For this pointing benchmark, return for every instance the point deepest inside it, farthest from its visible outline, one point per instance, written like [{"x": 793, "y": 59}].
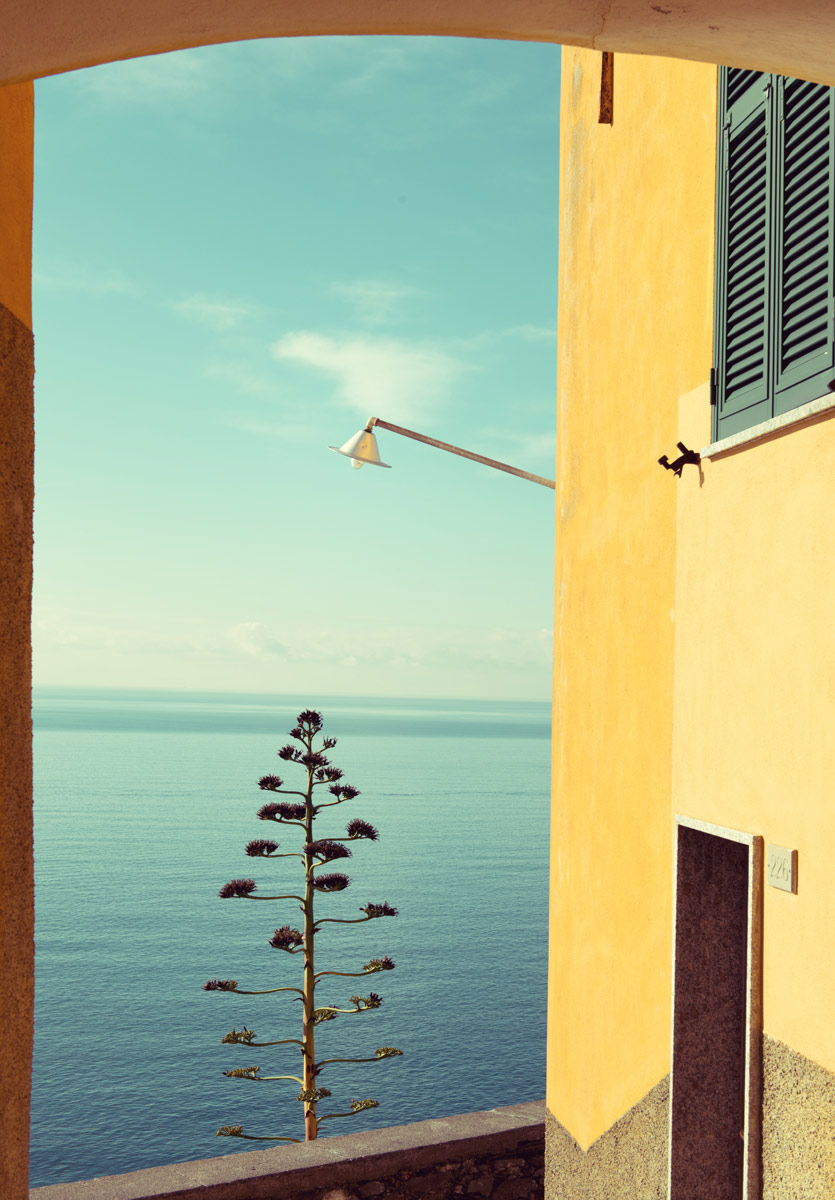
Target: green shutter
[
  {"x": 744, "y": 284},
  {"x": 803, "y": 320}
]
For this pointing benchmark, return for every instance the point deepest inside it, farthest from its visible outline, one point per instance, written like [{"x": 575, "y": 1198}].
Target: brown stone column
[{"x": 16, "y": 498}]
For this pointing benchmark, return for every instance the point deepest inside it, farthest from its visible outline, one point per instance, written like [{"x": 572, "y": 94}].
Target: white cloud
[
  {"x": 410, "y": 649},
  {"x": 253, "y": 639},
  {"x": 384, "y": 377},
  {"x": 218, "y": 315},
  {"x": 374, "y": 300}
]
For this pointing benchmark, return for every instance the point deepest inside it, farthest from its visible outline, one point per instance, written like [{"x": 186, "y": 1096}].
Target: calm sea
[{"x": 143, "y": 804}]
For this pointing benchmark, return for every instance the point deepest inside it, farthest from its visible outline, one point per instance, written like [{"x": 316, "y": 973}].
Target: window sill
[{"x": 806, "y": 414}]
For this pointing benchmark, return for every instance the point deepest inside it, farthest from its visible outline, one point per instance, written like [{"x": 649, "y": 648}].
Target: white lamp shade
[{"x": 362, "y": 448}]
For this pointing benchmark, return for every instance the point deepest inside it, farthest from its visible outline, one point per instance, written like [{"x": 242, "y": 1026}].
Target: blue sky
[{"x": 240, "y": 253}]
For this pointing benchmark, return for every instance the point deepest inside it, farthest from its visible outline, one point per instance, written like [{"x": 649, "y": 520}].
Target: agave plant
[{"x": 315, "y": 854}]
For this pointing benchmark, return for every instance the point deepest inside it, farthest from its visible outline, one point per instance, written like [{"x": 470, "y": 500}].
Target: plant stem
[
  {"x": 324, "y": 1062},
  {"x": 267, "y": 991},
  {"x": 310, "y": 1122},
  {"x": 347, "y": 974}
]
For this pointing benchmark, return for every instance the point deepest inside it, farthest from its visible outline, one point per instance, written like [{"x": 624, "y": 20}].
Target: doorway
[{"x": 716, "y": 1072}]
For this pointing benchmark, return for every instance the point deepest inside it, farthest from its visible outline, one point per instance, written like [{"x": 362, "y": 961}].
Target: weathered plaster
[
  {"x": 628, "y": 1162},
  {"x": 798, "y": 1126},
  {"x": 16, "y": 893},
  {"x": 16, "y": 146}
]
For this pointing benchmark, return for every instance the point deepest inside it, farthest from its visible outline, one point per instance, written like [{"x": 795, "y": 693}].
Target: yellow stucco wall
[
  {"x": 16, "y": 140},
  {"x": 754, "y": 694},
  {"x": 635, "y": 313}
]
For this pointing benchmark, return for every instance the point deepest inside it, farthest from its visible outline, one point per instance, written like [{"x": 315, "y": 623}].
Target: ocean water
[{"x": 144, "y": 802}]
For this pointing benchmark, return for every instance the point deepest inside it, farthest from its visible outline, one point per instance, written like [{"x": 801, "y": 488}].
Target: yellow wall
[
  {"x": 635, "y": 313},
  {"x": 754, "y": 693},
  {"x": 16, "y": 136}
]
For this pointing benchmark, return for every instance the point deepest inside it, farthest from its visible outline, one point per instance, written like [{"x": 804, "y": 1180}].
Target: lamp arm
[{"x": 488, "y": 462}]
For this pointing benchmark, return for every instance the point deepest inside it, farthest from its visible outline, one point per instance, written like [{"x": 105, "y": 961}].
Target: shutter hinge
[
  {"x": 713, "y": 387},
  {"x": 686, "y": 456}
]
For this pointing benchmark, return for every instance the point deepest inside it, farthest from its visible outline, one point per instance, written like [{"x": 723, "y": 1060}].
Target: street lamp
[{"x": 362, "y": 450}]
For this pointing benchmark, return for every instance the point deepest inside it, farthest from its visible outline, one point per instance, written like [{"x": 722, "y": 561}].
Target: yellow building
[
  {"x": 695, "y": 662},
  {"x": 695, "y": 647}
]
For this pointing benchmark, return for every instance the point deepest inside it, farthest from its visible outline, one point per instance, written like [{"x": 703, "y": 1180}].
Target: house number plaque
[{"x": 782, "y": 868}]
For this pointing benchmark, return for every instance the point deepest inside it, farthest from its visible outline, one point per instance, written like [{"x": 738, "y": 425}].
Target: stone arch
[{"x": 62, "y": 35}]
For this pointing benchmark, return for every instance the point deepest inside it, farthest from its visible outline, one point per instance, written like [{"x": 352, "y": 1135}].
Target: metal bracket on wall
[
  {"x": 607, "y": 89},
  {"x": 686, "y": 456}
]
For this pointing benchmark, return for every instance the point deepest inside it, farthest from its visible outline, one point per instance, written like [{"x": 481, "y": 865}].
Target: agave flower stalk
[{"x": 314, "y": 855}]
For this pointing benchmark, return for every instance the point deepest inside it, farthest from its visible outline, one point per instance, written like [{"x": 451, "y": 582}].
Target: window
[{"x": 775, "y": 301}]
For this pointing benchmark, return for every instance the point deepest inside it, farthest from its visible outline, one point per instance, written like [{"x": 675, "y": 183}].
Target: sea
[{"x": 144, "y": 801}]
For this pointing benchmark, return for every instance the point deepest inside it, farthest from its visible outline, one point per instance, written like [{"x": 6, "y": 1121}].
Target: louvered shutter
[
  {"x": 744, "y": 228},
  {"x": 803, "y": 320}
]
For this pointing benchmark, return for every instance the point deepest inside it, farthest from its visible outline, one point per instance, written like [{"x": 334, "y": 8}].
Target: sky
[{"x": 242, "y": 252}]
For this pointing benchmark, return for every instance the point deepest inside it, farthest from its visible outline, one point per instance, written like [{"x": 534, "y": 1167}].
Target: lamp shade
[{"x": 362, "y": 448}]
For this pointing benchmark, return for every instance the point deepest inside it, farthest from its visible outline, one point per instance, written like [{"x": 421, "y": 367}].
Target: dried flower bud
[
  {"x": 230, "y": 1131},
  {"x": 364, "y": 1002},
  {"x": 344, "y": 791},
  {"x": 323, "y": 1014},
  {"x": 236, "y": 1038},
  {"x": 359, "y": 1105},
  {"x": 311, "y": 718},
  {"x": 379, "y": 964},
  {"x": 270, "y": 783},
  {"x": 289, "y": 754},
  {"x": 286, "y": 938},
  {"x": 237, "y": 887},
  {"x": 242, "y": 1072},
  {"x": 327, "y": 851},
  {"x": 311, "y": 1095},
  {"x": 328, "y": 743},
  {"x": 297, "y": 733},
  {"x": 313, "y": 759},
  {"x": 379, "y": 910},
  {"x": 337, "y": 882},
  {"x": 361, "y": 829},
  {"x": 388, "y": 1052},
  {"x": 260, "y": 848},
  {"x": 284, "y": 812},
  {"x": 328, "y": 774},
  {"x": 220, "y": 985}
]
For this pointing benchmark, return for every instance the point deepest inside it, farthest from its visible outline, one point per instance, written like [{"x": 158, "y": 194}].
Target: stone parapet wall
[{"x": 497, "y": 1155}]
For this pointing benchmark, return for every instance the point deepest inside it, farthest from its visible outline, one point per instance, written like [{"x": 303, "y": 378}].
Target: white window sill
[{"x": 815, "y": 410}]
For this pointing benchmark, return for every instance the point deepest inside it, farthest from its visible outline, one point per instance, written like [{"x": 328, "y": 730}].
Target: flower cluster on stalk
[
  {"x": 327, "y": 851},
  {"x": 260, "y": 847},
  {"x": 238, "y": 887},
  {"x": 286, "y": 938},
  {"x": 315, "y": 854}
]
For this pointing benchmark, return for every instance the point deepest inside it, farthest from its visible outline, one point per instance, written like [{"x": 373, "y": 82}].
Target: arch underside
[{"x": 771, "y": 35}]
